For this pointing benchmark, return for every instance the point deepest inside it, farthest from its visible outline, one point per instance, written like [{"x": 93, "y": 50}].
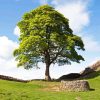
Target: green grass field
[{"x": 41, "y": 90}]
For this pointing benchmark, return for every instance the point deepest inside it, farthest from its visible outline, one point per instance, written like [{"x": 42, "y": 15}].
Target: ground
[{"x": 41, "y": 90}]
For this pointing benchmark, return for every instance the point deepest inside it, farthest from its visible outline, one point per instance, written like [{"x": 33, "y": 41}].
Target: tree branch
[{"x": 53, "y": 59}]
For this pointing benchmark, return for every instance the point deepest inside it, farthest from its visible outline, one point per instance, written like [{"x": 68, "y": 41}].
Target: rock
[
  {"x": 70, "y": 76},
  {"x": 78, "y": 85},
  {"x": 96, "y": 66},
  {"x": 87, "y": 71}
]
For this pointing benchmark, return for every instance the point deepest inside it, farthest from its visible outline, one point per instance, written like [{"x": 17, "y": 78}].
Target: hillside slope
[
  {"x": 91, "y": 71},
  {"x": 36, "y": 90}
]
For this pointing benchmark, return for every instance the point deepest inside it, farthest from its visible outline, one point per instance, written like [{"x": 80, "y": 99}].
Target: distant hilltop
[
  {"x": 96, "y": 66},
  {"x": 92, "y": 68},
  {"x": 89, "y": 72}
]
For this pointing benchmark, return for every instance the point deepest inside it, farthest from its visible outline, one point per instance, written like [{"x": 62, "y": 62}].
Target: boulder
[
  {"x": 87, "y": 71},
  {"x": 70, "y": 76},
  {"x": 96, "y": 66}
]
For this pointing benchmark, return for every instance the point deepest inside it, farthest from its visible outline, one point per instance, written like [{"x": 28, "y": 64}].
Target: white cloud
[
  {"x": 91, "y": 44},
  {"x": 76, "y": 11},
  {"x": 7, "y": 46},
  {"x": 42, "y": 2},
  {"x": 17, "y": 31},
  {"x": 6, "y": 52}
]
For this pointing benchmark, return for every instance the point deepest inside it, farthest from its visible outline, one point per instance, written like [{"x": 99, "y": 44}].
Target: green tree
[{"x": 45, "y": 36}]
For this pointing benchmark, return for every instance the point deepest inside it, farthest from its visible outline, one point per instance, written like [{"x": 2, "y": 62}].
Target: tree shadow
[{"x": 92, "y": 89}]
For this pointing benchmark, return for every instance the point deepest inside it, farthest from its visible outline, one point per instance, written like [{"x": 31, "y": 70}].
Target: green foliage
[{"x": 46, "y": 37}]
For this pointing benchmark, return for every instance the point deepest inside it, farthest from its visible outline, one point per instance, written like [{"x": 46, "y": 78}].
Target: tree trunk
[{"x": 47, "y": 75}]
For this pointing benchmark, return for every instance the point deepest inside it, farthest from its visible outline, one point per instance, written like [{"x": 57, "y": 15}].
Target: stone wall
[
  {"x": 3, "y": 77},
  {"x": 78, "y": 85}
]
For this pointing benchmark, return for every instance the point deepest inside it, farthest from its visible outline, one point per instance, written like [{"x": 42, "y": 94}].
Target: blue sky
[{"x": 83, "y": 17}]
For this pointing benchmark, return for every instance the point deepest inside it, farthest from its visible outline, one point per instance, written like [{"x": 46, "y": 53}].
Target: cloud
[
  {"x": 76, "y": 11},
  {"x": 43, "y": 2},
  {"x": 7, "y": 46},
  {"x": 17, "y": 31},
  {"x": 6, "y": 52},
  {"x": 91, "y": 44}
]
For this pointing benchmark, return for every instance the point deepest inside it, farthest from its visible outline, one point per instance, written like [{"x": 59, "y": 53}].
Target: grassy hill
[{"x": 41, "y": 90}]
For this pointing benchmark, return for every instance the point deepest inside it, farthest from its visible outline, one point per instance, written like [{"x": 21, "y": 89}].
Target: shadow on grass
[{"x": 92, "y": 89}]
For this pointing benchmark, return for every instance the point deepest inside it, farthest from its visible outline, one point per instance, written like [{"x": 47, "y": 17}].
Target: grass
[{"x": 41, "y": 90}]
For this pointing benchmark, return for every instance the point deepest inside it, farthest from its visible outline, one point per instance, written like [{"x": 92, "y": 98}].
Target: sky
[{"x": 84, "y": 20}]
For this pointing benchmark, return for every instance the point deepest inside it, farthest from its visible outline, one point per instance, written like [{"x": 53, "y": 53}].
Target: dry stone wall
[
  {"x": 78, "y": 85},
  {"x": 12, "y": 79}
]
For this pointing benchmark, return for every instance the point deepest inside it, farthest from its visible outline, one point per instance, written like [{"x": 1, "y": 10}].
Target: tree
[{"x": 45, "y": 36}]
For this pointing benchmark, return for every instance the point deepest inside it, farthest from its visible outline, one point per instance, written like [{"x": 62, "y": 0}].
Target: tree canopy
[{"x": 45, "y": 36}]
